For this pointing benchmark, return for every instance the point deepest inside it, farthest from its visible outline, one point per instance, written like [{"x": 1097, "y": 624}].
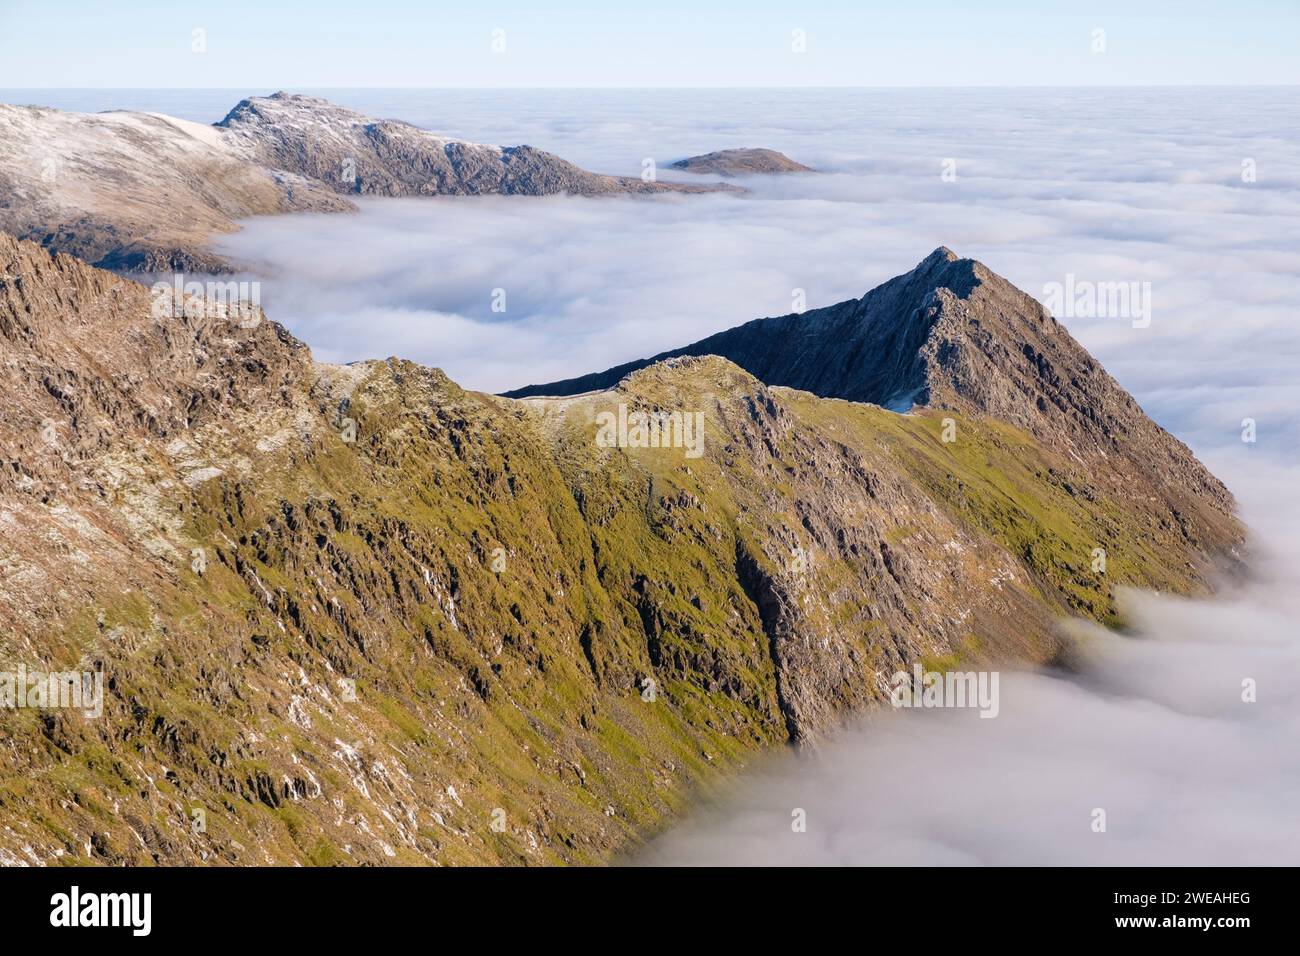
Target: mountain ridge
[
  {"x": 355, "y": 154},
  {"x": 951, "y": 334},
  {"x": 145, "y": 192},
  {"x": 357, "y": 614}
]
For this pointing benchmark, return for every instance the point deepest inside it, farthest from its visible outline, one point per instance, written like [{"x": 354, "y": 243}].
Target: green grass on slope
[
  {"x": 1042, "y": 508},
  {"x": 518, "y": 689}
]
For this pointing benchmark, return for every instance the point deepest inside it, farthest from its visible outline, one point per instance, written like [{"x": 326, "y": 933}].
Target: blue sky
[{"x": 264, "y": 45}]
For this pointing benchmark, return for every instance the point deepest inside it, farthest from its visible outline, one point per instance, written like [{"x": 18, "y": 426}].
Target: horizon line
[{"x": 756, "y": 86}]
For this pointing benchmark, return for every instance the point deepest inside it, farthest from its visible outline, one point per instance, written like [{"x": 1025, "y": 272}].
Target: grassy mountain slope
[{"x": 360, "y": 615}]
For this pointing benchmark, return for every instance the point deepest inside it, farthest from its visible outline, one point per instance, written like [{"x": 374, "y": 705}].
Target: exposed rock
[
  {"x": 360, "y": 615},
  {"x": 354, "y": 153},
  {"x": 742, "y": 162}
]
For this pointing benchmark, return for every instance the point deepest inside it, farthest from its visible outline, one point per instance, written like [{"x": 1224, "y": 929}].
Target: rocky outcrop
[
  {"x": 142, "y": 192},
  {"x": 360, "y": 615},
  {"x": 110, "y": 372},
  {"x": 741, "y": 162}
]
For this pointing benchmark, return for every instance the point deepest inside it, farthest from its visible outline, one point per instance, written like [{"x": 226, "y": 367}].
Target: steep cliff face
[{"x": 358, "y": 614}]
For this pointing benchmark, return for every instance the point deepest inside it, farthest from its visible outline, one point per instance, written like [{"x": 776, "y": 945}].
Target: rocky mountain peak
[
  {"x": 952, "y": 334},
  {"x": 862, "y": 349}
]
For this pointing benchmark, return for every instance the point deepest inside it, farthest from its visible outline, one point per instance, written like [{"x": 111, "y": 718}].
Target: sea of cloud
[{"x": 1105, "y": 185}]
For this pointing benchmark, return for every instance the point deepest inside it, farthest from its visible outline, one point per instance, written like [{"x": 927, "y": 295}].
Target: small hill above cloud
[{"x": 741, "y": 162}]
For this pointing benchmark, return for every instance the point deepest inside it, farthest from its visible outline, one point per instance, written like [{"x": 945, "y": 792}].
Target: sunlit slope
[{"x": 360, "y": 615}]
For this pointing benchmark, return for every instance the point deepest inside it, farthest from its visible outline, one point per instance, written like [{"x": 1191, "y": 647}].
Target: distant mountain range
[{"x": 143, "y": 192}]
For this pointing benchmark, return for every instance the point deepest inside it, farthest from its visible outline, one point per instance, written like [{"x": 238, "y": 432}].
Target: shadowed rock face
[
  {"x": 351, "y": 612},
  {"x": 951, "y": 334},
  {"x": 742, "y": 162},
  {"x": 863, "y": 350},
  {"x": 142, "y": 192}
]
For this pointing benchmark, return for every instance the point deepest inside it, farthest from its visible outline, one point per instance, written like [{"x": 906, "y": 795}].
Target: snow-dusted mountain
[
  {"x": 136, "y": 191},
  {"x": 356, "y": 154},
  {"x": 145, "y": 192}
]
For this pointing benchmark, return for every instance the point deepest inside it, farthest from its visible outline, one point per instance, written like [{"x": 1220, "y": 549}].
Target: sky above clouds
[{"x": 340, "y": 43}]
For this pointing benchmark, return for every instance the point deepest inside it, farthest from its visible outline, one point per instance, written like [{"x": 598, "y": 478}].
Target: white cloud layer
[{"x": 1125, "y": 186}]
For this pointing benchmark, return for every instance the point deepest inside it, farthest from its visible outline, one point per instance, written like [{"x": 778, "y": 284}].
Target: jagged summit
[
  {"x": 853, "y": 350},
  {"x": 249, "y": 105},
  {"x": 952, "y": 334}
]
